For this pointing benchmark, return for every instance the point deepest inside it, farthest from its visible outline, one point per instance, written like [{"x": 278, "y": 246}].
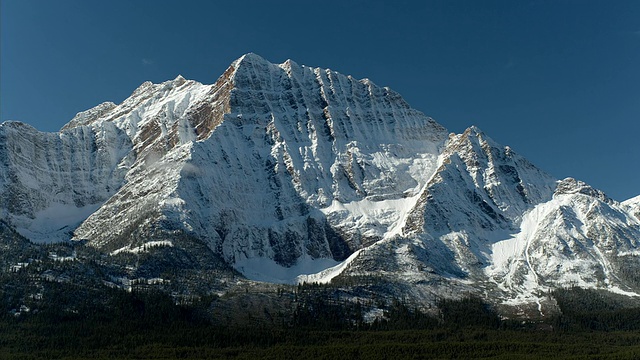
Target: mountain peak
[
  {"x": 179, "y": 80},
  {"x": 473, "y": 131},
  {"x": 573, "y": 186},
  {"x": 18, "y": 125},
  {"x": 288, "y": 65},
  {"x": 249, "y": 58},
  {"x": 282, "y": 171},
  {"x": 88, "y": 116}
]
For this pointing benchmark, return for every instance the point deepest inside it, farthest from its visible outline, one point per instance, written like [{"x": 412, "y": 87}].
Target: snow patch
[
  {"x": 267, "y": 270},
  {"x": 325, "y": 276},
  {"x": 389, "y": 215},
  {"x": 142, "y": 248},
  {"x": 55, "y": 223}
]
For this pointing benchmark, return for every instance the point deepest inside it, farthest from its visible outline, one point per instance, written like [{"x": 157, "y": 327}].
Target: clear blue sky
[{"x": 558, "y": 81}]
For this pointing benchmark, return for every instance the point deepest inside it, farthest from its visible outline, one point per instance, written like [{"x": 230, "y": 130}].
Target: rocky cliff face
[
  {"x": 292, "y": 173},
  {"x": 52, "y": 182},
  {"x": 492, "y": 224}
]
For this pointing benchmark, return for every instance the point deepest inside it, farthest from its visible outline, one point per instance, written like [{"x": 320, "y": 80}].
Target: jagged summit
[
  {"x": 473, "y": 130},
  {"x": 573, "y": 186},
  {"x": 13, "y": 124},
  {"x": 327, "y": 135},
  {"x": 88, "y": 116},
  {"x": 250, "y": 58},
  {"x": 292, "y": 173},
  {"x": 249, "y": 73}
]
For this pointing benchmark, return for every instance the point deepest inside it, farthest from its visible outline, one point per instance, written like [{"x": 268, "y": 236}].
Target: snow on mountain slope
[
  {"x": 54, "y": 181},
  {"x": 50, "y": 182},
  {"x": 305, "y": 139},
  {"x": 634, "y": 205},
  {"x": 162, "y": 121},
  {"x": 481, "y": 190},
  {"x": 490, "y": 222},
  {"x": 577, "y": 238},
  {"x": 259, "y": 164},
  {"x": 291, "y": 173},
  {"x": 634, "y": 201}
]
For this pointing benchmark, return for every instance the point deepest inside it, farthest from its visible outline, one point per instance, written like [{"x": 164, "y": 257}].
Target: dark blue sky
[{"x": 558, "y": 81}]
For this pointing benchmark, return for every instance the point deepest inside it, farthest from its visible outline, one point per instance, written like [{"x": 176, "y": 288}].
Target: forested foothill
[
  {"x": 62, "y": 301},
  {"x": 81, "y": 322}
]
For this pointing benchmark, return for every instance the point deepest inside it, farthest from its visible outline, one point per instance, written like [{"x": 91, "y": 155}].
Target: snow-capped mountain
[
  {"x": 491, "y": 223},
  {"x": 291, "y": 173},
  {"x": 634, "y": 205}
]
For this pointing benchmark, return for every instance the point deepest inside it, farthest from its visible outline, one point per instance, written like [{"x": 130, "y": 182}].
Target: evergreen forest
[{"x": 104, "y": 323}]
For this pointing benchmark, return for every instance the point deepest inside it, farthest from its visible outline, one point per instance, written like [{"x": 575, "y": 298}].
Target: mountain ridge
[{"x": 291, "y": 173}]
